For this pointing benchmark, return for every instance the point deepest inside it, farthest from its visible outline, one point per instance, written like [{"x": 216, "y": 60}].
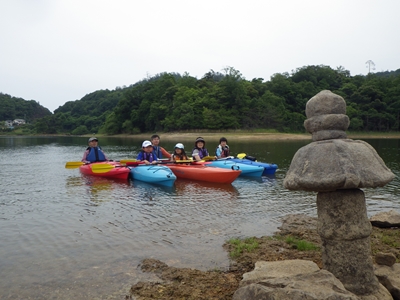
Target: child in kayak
[
  {"x": 93, "y": 153},
  {"x": 147, "y": 154},
  {"x": 199, "y": 150},
  {"x": 158, "y": 150},
  {"x": 179, "y": 153},
  {"x": 222, "y": 149}
]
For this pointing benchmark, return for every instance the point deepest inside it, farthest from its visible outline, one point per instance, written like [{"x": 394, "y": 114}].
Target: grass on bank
[
  {"x": 240, "y": 246},
  {"x": 300, "y": 245},
  {"x": 249, "y": 244},
  {"x": 385, "y": 240}
]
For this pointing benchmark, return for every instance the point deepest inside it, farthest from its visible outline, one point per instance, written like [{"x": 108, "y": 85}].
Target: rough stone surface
[
  {"x": 336, "y": 164},
  {"x": 275, "y": 269},
  {"x": 386, "y": 259},
  {"x": 342, "y": 215},
  {"x": 380, "y": 294},
  {"x": 386, "y": 219},
  {"x": 328, "y": 134},
  {"x": 327, "y": 122},
  {"x": 324, "y": 103},
  {"x": 345, "y": 230},
  {"x": 316, "y": 285},
  {"x": 390, "y": 278}
]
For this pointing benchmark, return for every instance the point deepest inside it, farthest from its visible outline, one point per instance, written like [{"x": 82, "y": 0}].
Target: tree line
[
  {"x": 12, "y": 108},
  {"x": 222, "y": 101}
]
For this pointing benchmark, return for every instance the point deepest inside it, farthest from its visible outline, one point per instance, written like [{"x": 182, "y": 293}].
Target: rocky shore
[{"x": 246, "y": 273}]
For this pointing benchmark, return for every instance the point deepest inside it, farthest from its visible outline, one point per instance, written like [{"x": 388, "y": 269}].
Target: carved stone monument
[{"x": 337, "y": 168}]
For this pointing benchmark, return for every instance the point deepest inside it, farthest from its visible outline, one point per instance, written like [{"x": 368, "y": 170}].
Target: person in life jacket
[
  {"x": 222, "y": 149},
  {"x": 199, "y": 150},
  {"x": 179, "y": 153},
  {"x": 93, "y": 153},
  {"x": 147, "y": 154},
  {"x": 158, "y": 150}
]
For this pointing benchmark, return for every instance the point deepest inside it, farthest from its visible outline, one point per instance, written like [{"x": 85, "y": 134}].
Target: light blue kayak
[
  {"x": 247, "y": 170},
  {"x": 153, "y": 174},
  {"x": 269, "y": 169}
]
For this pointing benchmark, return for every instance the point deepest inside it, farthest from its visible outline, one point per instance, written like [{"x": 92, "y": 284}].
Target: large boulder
[{"x": 386, "y": 219}]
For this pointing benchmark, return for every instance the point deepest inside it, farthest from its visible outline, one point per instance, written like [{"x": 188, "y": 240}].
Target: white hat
[
  {"x": 179, "y": 145},
  {"x": 93, "y": 139},
  {"x": 146, "y": 144}
]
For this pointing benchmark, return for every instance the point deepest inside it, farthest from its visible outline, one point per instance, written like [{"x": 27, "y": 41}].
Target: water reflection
[{"x": 202, "y": 187}]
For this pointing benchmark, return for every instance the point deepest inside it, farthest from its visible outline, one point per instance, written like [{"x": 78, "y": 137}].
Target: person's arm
[
  {"x": 218, "y": 152},
  {"x": 140, "y": 157},
  {"x": 85, "y": 154},
  {"x": 196, "y": 155},
  {"x": 165, "y": 153}
]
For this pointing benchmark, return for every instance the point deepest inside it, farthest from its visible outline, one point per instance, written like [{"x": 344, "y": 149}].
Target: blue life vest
[
  {"x": 202, "y": 152},
  {"x": 222, "y": 152},
  {"x": 95, "y": 154},
  {"x": 157, "y": 151},
  {"x": 150, "y": 157}
]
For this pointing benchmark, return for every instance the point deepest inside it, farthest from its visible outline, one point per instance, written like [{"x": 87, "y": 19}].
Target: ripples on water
[{"x": 66, "y": 235}]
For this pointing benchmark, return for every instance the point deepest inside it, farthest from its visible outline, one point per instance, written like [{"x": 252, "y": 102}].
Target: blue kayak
[
  {"x": 247, "y": 170},
  {"x": 269, "y": 169},
  {"x": 154, "y": 174}
]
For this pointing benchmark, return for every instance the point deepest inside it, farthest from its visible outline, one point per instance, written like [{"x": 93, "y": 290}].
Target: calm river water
[{"x": 67, "y": 236}]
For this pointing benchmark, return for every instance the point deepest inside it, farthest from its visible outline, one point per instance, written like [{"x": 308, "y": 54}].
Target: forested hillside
[
  {"x": 219, "y": 101},
  {"x": 12, "y": 108}
]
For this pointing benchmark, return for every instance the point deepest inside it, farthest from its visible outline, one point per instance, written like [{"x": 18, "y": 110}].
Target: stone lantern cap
[
  {"x": 332, "y": 161},
  {"x": 336, "y": 164}
]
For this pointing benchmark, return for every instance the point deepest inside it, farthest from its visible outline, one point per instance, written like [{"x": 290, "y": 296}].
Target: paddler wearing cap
[
  {"x": 93, "y": 153},
  {"x": 179, "y": 153},
  {"x": 147, "y": 155},
  {"x": 199, "y": 151}
]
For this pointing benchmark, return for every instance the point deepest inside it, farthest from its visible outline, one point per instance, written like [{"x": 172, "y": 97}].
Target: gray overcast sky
[{"x": 54, "y": 51}]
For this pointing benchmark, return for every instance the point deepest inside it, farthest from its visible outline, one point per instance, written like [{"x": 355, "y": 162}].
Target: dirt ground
[{"x": 175, "y": 283}]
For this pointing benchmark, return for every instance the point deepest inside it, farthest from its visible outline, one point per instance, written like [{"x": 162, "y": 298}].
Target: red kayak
[
  {"x": 110, "y": 169},
  {"x": 204, "y": 173}
]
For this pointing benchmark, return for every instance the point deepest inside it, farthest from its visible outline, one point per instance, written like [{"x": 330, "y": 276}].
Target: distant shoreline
[{"x": 242, "y": 135}]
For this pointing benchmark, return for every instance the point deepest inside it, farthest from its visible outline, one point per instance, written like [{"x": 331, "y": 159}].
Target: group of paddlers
[{"x": 152, "y": 152}]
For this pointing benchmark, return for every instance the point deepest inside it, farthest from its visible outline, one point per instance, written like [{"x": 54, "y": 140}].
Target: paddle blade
[
  {"x": 183, "y": 161},
  {"x": 102, "y": 168},
  {"x": 73, "y": 164},
  {"x": 208, "y": 158},
  {"x": 125, "y": 161},
  {"x": 241, "y": 155}
]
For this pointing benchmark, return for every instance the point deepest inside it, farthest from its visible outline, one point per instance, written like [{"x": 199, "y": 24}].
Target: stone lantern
[{"x": 337, "y": 168}]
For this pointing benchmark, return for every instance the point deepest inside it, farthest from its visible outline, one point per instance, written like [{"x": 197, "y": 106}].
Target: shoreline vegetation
[{"x": 238, "y": 134}]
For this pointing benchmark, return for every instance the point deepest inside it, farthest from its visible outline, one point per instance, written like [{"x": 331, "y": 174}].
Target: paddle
[
  {"x": 73, "y": 164},
  {"x": 134, "y": 162},
  {"x": 104, "y": 168},
  {"x": 208, "y": 158},
  {"x": 96, "y": 168},
  {"x": 183, "y": 161},
  {"x": 124, "y": 161},
  {"x": 241, "y": 155},
  {"x": 245, "y": 156}
]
